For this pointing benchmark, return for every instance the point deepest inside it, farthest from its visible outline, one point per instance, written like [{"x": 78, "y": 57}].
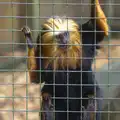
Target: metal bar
[{"x": 35, "y": 13}]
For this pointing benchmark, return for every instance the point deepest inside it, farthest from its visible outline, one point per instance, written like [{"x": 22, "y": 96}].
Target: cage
[{"x": 19, "y": 98}]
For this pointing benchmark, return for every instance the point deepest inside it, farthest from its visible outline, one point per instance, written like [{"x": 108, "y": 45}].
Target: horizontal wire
[
  {"x": 26, "y": 70},
  {"x": 34, "y": 43},
  {"x": 81, "y": 31},
  {"x": 57, "y": 3},
  {"x": 78, "y": 85},
  {"x": 18, "y": 110},
  {"x": 60, "y": 98},
  {"x": 37, "y": 30},
  {"x": 46, "y": 17},
  {"x": 81, "y": 58}
]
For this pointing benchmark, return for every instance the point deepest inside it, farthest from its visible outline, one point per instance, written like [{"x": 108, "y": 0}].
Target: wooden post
[{"x": 36, "y": 19}]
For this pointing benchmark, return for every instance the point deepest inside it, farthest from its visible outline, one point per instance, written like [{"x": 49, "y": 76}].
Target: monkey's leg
[
  {"x": 99, "y": 102},
  {"x": 47, "y": 107},
  {"x": 32, "y": 63},
  {"x": 61, "y": 111},
  {"x": 47, "y": 112},
  {"x": 59, "y": 101},
  {"x": 93, "y": 104}
]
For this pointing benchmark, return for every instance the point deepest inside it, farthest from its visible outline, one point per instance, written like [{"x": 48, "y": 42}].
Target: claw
[{"x": 26, "y": 30}]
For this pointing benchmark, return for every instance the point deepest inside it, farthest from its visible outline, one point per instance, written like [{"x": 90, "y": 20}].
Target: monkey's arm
[
  {"x": 33, "y": 64},
  {"x": 101, "y": 20},
  {"x": 93, "y": 32},
  {"x": 32, "y": 60}
]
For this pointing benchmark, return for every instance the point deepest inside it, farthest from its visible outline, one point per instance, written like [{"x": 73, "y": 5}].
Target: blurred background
[{"x": 16, "y": 92}]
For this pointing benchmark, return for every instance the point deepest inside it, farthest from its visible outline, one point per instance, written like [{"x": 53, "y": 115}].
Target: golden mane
[{"x": 60, "y": 58}]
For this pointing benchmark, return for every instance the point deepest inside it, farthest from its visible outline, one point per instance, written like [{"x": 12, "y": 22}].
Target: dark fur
[{"x": 75, "y": 78}]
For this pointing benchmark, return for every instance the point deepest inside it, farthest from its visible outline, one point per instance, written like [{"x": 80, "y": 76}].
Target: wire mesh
[{"x": 19, "y": 98}]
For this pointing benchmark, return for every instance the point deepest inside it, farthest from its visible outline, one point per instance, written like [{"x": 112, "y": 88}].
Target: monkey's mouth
[{"x": 63, "y": 46}]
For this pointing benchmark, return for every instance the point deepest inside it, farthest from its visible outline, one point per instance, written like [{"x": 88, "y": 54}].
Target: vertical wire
[
  {"x": 68, "y": 72},
  {"x": 95, "y": 44},
  {"x": 40, "y": 71},
  {"x": 26, "y": 22},
  {"x": 13, "y": 95},
  {"x": 54, "y": 73},
  {"x": 81, "y": 59},
  {"x": 109, "y": 37}
]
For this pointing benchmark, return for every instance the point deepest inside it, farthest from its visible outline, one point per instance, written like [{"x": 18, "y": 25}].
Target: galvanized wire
[{"x": 109, "y": 3}]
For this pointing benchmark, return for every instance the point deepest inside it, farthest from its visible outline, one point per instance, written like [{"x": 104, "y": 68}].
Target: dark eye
[
  {"x": 60, "y": 36},
  {"x": 66, "y": 33}
]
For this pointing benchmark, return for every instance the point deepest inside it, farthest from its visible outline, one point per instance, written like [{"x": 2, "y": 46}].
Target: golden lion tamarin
[{"x": 64, "y": 55}]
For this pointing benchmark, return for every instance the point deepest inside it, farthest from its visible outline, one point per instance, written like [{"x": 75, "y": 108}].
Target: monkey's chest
[{"x": 70, "y": 83}]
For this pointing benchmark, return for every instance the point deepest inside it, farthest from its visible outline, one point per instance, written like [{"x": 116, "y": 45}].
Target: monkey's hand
[
  {"x": 28, "y": 35},
  {"x": 26, "y": 30}
]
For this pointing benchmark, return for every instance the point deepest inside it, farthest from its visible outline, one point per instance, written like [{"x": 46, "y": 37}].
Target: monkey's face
[
  {"x": 62, "y": 39},
  {"x": 60, "y": 32}
]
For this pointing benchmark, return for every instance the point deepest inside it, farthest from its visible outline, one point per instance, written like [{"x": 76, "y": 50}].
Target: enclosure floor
[{"x": 19, "y": 103}]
